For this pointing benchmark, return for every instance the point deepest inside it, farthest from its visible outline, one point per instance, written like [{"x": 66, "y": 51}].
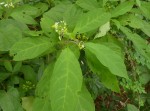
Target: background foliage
[{"x": 74, "y": 55}]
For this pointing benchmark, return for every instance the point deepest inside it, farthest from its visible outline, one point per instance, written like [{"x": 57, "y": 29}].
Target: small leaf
[
  {"x": 122, "y": 8},
  {"x": 29, "y": 73},
  {"x": 108, "y": 58},
  {"x": 27, "y": 103},
  {"x": 131, "y": 107},
  {"x": 8, "y": 66},
  {"x": 92, "y": 20},
  {"x": 11, "y": 97},
  {"x": 103, "y": 30},
  {"x": 29, "y": 48}
]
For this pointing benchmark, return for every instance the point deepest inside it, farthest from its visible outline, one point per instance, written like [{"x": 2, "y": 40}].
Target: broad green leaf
[
  {"x": 85, "y": 101},
  {"x": 29, "y": 48},
  {"x": 8, "y": 66},
  {"x": 46, "y": 24},
  {"x": 27, "y": 103},
  {"x": 140, "y": 44},
  {"x": 6, "y": 22},
  {"x": 42, "y": 7},
  {"x": 122, "y": 8},
  {"x": 27, "y": 10},
  {"x": 66, "y": 82},
  {"x": 107, "y": 78},
  {"x": 56, "y": 13},
  {"x": 9, "y": 36},
  {"x": 145, "y": 8},
  {"x": 24, "y": 18},
  {"x": 72, "y": 15},
  {"x": 29, "y": 73},
  {"x": 92, "y": 20},
  {"x": 103, "y": 30},
  {"x": 11, "y": 97},
  {"x": 41, "y": 104},
  {"x": 109, "y": 58},
  {"x": 131, "y": 107},
  {"x": 87, "y": 4}
]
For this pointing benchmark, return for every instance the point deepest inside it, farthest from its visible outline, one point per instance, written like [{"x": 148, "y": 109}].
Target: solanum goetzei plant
[{"x": 48, "y": 48}]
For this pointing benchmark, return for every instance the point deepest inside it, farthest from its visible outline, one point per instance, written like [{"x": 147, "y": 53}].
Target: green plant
[{"x": 55, "y": 54}]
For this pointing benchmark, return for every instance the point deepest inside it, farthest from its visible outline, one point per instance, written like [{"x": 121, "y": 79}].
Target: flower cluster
[
  {"x": 7, "y": 4},
  {"x": 60, "y": 28},
  {"x": 28, "y": 86}
]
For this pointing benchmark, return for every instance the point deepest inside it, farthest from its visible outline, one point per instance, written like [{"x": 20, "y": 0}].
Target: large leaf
[
  {"x": 122, "y": 8},
  {"x": 9, "y": 36},
  {"x": 107, "y": 78},
  {"x": 92, "y": 20},
  {"x": 87, "y": 4},
  {"x": 109, "y": 58},
  {"x": 29, "y": 48},
  {"x": 72, "y": 15},
  {"x": 56, "y": 13},
  {"x": 9, "y": 101},
  {"x": 85, "y": 101},
  {"x": 65, "y": 83}
]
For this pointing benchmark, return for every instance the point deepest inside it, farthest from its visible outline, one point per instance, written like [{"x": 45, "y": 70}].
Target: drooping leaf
[
  {"x": 29, "y": 48},
  {"x": 107, "y": 78},
  {"x": 87, "y": 4},
  {"x": 9, "y": 101},
  {"x": 108, "y": 58},
  {"x": 66, "y": 81},
  {"x": 122, "y": 8},
  {"x": 92, "y": 20},
  {"x": 140, "y": 44}
]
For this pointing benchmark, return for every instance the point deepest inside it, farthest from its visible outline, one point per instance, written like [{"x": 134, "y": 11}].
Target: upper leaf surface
[
  {"x": 92, "y": 20},
  {"x": 29, "y": 48},
  {"x": 108, "y": 58},
  {"x": 66, "y": 81},
  {"x": 122, "y": 8}
]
